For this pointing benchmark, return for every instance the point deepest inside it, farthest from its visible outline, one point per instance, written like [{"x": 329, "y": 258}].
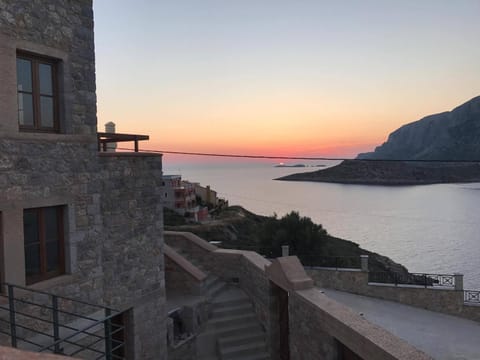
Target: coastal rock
[
  {"x": 451, "y": 135},
  {"x": 364, "y": 172}
]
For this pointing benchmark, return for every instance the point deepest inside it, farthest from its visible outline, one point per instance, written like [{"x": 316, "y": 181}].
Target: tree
[{"x": 301, "y": 234}]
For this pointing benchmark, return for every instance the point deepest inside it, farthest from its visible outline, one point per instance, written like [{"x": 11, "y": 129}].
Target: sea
[{"x": 431, "y": 229}]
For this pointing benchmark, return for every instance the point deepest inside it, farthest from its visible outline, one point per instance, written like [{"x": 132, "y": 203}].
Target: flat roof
[{"x": 439, "y": 335}]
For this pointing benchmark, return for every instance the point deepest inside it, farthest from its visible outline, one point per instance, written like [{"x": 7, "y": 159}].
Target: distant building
[
  {"x": 207, "y": 195},
  {"x": 180, "y": 196}
]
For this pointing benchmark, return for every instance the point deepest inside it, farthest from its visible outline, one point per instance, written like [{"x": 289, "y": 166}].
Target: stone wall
[
  {"x": 444, "y": 300},
  {"x": 112, "y": 213},
  {"x": 132, "y": 251},
  {"x": 113, "y": 223},
  {"x": 61, "y": 30},
  {"x": 178, "y": 281},
  {"x": 318, "y": 324}
]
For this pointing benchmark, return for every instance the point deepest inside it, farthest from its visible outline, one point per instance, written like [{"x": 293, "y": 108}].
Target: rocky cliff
[{"x": 451, "y": 135}]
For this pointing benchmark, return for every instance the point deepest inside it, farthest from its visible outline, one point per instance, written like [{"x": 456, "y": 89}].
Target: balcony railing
[
  {"x": 106, "y": 138},
  {"x": 471, "y": 296},
  {"x": 42, "y": 322},
  {"x": 419, "y": 279}
]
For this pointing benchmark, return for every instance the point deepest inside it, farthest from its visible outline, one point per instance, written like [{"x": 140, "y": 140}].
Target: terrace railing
[
  {"x": 419, "y": 279},
  {"x": 333, "y": 262},
  {"x": 107, "y": 138},
  {"x": 308, "y": 259},
  {"x": 471, "y": 296},
  {"x": 42, "y": 322}
]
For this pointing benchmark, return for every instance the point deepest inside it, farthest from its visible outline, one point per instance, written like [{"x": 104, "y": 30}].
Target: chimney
[{"x": 110, "y": 129}]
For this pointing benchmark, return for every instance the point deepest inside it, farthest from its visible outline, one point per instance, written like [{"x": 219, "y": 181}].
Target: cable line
[{"x": 298, "y": 157}]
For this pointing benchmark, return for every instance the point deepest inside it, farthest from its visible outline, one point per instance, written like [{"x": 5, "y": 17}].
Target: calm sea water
[{"x": 429, "y": 228}]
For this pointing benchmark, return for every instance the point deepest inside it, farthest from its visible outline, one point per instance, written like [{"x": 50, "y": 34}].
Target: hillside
[
  {"x": 238, "y": 228},
  {"x": 451, "y": 135}
]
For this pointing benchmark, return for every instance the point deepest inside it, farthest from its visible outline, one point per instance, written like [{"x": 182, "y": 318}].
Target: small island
[{"x": 282, "y": 165}]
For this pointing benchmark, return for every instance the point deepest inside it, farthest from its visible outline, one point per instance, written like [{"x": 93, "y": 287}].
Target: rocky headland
[
  {"x": 440, "y": 148},
  {"x": 364, "y": 172}
]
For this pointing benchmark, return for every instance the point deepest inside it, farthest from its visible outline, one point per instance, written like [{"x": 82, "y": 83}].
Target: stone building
[{"x": 73, "y": 221}]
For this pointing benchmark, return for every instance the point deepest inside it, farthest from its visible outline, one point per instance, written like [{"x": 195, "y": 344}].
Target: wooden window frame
[
  {"x": 44, "y": 274},
  {"x": 36, "y": 60}
]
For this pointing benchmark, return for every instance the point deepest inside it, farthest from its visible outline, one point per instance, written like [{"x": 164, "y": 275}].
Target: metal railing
[
  {"x": 42, "y": 322},
  {"x": 310, "y": 259},
  {"x": 335, "y": 262},
  {"x": 471, "y": 296},
  {"x": 419, "y": 279}
]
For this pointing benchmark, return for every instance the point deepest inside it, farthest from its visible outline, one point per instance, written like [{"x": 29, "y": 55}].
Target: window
[
  {"x": 37, "y": 93},
  {"x": 44, "y": 243}
]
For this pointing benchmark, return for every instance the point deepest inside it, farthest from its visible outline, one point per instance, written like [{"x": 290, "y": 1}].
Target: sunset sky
[{"x": 297, "y": 77}]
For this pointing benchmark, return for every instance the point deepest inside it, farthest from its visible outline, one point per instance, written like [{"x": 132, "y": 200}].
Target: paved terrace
[{"x": 439, "y": 335}]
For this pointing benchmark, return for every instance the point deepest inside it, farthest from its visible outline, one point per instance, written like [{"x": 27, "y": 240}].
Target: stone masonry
[{"x": 113, "y": 218}]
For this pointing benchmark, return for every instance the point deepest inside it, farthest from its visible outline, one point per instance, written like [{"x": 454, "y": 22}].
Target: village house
[{"x": 181, "y": 196}]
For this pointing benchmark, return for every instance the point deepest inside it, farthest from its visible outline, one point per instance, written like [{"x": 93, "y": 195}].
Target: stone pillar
[
  {"x": 364, "y": 263},
  {"x": 285, "y": 250},
  {"x": 458, "y": 281},
  {"x": 13, "y": 251},
  {"x": 110, "y": 128}
]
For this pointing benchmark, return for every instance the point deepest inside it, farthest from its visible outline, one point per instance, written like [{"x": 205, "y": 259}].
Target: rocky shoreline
[{"x": 368, "y": 172}]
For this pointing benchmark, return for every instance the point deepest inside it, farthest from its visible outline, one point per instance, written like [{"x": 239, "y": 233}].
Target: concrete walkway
[{"x": 439, "y": 335}]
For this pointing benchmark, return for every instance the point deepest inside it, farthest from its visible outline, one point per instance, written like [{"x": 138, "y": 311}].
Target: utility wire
[{"x": 297, "y": 157}]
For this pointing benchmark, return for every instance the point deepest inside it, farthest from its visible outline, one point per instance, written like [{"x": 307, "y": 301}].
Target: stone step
[
  {"x": 229, "y": 303},
  {"x": 229, "y": 321},
  {"x": 241, "y": 339},
  {"x": 216, "y": 288},
  {"x": 239, "y": 309},
  {"x": 258, "y": 356},
  {"x": 234, "y": 330},
  {"x": 250, "y": 349}
]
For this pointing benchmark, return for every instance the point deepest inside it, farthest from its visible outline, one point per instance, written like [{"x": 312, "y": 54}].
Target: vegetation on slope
[{"x": 238, "y": 228}]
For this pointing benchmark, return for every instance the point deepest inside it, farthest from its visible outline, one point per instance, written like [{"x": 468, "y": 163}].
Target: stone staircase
[
  {"x": 233, "y": 331},
  {"x": 239, "y": 333}
]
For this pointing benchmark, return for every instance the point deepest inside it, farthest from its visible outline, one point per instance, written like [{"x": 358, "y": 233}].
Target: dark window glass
[
  {"x": 47, "y": 111},
  {"x": 46, "y": 80},
  {"x": 37, "y": 93},
  {"x": 24, "y": 75},
  {"x": 44, "y": 243},
  {"x": 30, "y": 227},
  {"x": 51, "y": 223},
  {"x": 52, "y": 256},
  {"x": 25, "y": 109},
  {"x": 32, "y": 259}
]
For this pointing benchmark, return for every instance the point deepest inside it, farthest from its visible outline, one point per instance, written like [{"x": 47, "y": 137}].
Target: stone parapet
[
  {"x": 332, "y": 323},
  {"x": 444, "y": 300}
]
